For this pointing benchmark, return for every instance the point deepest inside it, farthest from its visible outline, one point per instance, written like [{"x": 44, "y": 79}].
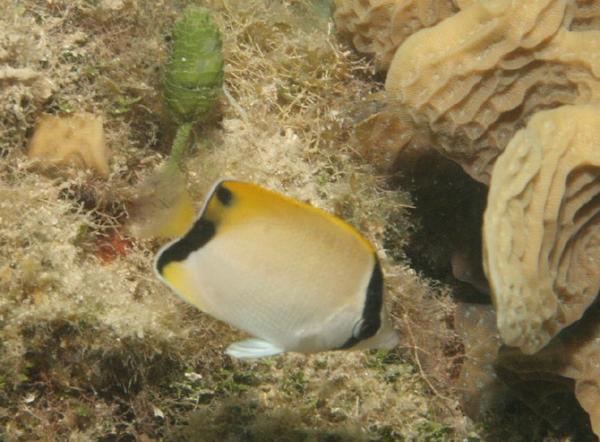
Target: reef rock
[
  {"x": 549, "y": 382},
  {"x": 573, "y": 354},
  {"x": 481, "y": 390}
]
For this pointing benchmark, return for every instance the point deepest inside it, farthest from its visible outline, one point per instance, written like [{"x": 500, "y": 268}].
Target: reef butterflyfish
[{"x": 294, "y": 277}]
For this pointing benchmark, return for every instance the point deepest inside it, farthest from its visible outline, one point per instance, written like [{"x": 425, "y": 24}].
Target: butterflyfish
[{"x": 294, "y": 277}]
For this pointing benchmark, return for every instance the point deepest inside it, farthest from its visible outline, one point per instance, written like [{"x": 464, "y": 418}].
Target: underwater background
[{"x": 103, "y": 151}]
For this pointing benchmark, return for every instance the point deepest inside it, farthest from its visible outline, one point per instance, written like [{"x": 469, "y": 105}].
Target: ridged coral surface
[
  {"x": 542, "y": 226},
  {"x": 378, "y": 27},
  {"x": 586, "y": 15},
  {"x": 475, "y": 78}
]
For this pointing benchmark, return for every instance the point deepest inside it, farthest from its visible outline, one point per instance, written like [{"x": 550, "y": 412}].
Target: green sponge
[{"x": 194, "y": 73}]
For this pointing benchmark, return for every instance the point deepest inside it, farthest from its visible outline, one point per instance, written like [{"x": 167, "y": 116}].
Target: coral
[
  {"x": 475, "y": 78},
  {"x": 378, "y": 27},
  {"x": 541, "y": 227},
  {"x": 461, "y": 4},
  {"x": 43, "y": 275},
  {"x": 586, "y": 15},
  {"x": 465, "y": 86},
  {"x": 77, "y": 140}
]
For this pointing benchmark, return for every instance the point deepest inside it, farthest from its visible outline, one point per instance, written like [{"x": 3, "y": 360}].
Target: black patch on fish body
[
  {"x": 201, "y": 232},
  {"x": 224, "y": 195},
  {"x": 371, "y": 315}
]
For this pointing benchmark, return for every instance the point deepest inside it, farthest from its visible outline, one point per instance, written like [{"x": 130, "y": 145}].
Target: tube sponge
[{"x": 194, "y": 73}]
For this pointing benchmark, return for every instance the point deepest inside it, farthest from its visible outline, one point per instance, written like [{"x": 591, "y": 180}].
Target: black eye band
[
  {"x": 201, "y": 232},
  {"x": 370, "y": 321}
]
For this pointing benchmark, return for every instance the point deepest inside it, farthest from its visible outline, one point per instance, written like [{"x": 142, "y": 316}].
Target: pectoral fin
[{"x": 252, "y": 349}]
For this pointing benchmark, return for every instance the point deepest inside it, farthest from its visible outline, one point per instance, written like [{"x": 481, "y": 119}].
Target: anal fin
[{"x": 252, "y": 349}]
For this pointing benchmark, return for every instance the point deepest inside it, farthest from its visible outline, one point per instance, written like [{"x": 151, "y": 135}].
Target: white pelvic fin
[{"x": 252, "y": 349}]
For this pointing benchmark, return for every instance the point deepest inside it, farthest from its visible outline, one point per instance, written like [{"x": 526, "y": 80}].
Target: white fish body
[{"x": 293, "y": 276}]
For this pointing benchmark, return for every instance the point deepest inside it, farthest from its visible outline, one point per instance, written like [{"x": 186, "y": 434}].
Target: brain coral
[
  {"x": 476, "y": 77},
  {"x": 541, "y": 227},
  {"x": 378, "y": 27}
]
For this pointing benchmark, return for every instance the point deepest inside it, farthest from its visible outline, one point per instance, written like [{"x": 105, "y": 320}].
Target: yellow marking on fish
[
  {"x": 252, "y": 201},
  {"x": 176, "y": 275},
  {"x": 180, "y": 218}
]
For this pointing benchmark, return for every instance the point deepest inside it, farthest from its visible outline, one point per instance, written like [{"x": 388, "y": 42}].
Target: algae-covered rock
[
  {"x": 194, "y": 73},
  {"x": 550, "y": 383}
]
